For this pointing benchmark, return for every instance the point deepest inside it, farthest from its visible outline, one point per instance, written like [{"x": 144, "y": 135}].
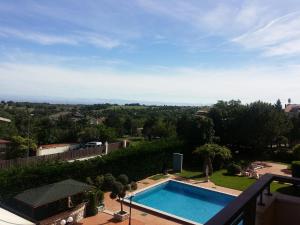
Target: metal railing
[{"x": 243, "y": 208}]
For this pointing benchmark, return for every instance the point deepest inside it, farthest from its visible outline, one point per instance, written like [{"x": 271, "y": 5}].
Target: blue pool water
[{"x": 183, "y": 200}]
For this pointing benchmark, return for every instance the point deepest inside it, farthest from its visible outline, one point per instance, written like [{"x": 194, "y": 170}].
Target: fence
[{"x": 65, "y": 156}]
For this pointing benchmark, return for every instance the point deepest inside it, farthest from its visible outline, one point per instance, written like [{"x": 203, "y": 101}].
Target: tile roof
[
  {"x": 43, "y": 195},
  {"x": 292, "y": 107}
]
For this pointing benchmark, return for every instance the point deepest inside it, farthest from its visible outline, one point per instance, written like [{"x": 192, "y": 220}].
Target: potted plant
[{"x": 119, "y": 189}]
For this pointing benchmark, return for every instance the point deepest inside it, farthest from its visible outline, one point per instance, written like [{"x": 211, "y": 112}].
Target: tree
[
  {"x": 20, "y": 147},
  {"x": 120, "y": 187},
  {"x": 195, "y": 130},
  {"x": 278, "y": 105},
  {"x": 213, "y": 155}
]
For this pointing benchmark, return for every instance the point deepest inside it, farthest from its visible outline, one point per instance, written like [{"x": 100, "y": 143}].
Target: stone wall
[{"x": 77, "y": 213}]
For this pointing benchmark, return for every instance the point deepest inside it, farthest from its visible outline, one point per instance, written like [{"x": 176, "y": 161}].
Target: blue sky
[{"x": 151, "y": 50}]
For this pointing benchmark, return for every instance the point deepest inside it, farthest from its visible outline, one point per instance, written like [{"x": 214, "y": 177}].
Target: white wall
[{"x": 55, "y": 150}]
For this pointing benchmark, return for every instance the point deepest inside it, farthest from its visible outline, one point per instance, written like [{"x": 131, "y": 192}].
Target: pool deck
[{"x": 139, "y": 216}]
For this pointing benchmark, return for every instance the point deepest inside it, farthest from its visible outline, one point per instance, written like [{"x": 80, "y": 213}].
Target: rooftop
[
  {"x": 43, "y": 195},
  {"x": 292, "y": 107}
]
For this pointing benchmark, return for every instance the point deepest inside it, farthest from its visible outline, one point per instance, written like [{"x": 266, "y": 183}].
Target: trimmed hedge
[
  {"x": 296, "y": 168},
  {"x": 137, "y": 162}
]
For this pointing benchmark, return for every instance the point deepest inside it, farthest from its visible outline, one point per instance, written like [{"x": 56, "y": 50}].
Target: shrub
[
  {"x": 137, "y": 162},
  {"x": 99, "y": 180},
  {"x": 100, "y": 197},
  {"x": 233, "y": 169},
  {"x": 108, "y": 182},
  {"x": 296, "y": 168},
  {"x": 91, "y": 208},
  {"x": 133, "y": 185},
  {"x": 123, "y": 179},
  {"x": 296, "y": 152}
]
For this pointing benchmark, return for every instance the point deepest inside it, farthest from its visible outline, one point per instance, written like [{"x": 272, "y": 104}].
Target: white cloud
[
  {"x": 280, "y": 37},
  {"x": 189, "y": 85},
  {"x": 76, "y": 38}
]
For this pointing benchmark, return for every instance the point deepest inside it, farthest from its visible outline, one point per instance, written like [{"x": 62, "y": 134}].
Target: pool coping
[{"x": 165, "y": 214}]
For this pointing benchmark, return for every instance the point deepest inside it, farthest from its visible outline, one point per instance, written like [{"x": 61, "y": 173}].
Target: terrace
[{"x": 249, "y": 206}]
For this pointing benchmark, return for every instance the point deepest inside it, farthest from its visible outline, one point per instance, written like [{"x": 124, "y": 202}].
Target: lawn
[
  {"x": 220, "y": 178},
  {"x": 158, "y": 177},
  {"x": 190, "y": 174}
]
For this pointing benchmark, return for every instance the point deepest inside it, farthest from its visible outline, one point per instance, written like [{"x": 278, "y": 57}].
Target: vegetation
[
  {"x": 158, "y": 177},
  {"x": 296, "y": 152},
  {"x": 214, "y": 156},
  {"x": 233, "y": 169},
  {"x": 156, "y": 155},
  {"x": 296, "y": 168},
  {"x": 119, "y": 189}
]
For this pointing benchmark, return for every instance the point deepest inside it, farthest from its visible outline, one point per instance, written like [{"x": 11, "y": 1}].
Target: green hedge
[
  {"x": 296, "y": 168},
  {"x": 137, "y": 162}
]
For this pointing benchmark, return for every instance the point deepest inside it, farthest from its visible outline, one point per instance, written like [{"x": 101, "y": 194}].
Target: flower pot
[{"x": 121, "y": 216}]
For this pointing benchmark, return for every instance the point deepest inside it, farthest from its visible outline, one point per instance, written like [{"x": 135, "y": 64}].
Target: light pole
[{"x": 130, "y": 206}]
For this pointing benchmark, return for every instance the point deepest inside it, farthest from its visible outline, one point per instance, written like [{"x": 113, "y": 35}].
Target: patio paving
[{"x": 275, "y": 168}]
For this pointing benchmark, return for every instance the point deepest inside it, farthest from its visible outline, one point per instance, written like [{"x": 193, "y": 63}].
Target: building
[
  {"x": 52, "y": 203},
  {"x": 4, "y": 145},
  {"x": 55, "y": 148},
  {"x": 292, "y": 110}
]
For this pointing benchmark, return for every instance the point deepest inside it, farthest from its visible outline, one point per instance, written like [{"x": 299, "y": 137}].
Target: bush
[
  {"x": 296, "y": 152},
  {"x": 137, "y": 162},
  {"x": 133, "y": 185},
  {"x": 100, "y": 197},
  {"x": 108, "y": 182},
  {"x": 233, "y": 169},
  {"x": 296, "y": 168},
  {"x": 91, "y": 208},
  {"x": 123, "y": 179}
]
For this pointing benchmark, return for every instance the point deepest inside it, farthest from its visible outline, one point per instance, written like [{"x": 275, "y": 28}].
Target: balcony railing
[{"x": 243, "y": 209}]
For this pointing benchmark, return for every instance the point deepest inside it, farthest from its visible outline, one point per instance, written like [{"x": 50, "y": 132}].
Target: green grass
[
  {"x": 220, "y": 178},
  {"x": 234, "y": 182},
  {"x": 158, "y": 177},
  {"x": 189, "y": 174}
]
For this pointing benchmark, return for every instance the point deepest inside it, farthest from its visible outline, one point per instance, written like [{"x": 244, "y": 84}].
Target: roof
[
  {"x": 292, "y": 107},
  {"x": 43, "y": 195},
  {"x": 2, "y": 141},
  {"x": 56, "y": 145},
  {"x": 8, "y": 218}
]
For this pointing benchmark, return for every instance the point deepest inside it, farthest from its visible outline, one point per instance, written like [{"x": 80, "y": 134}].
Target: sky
[{"x": 171, "y": 51}]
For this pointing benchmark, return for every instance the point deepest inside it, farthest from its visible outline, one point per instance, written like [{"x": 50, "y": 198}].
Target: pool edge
[{"x": 163, "y": 214}]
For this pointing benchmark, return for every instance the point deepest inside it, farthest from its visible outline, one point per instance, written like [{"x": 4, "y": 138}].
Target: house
[
  {"x": 4, "y": 145},
  {"x": 292, "y": 110},
  {"x": 55, "y": 148},
  {"x": 52, "y": 203}
]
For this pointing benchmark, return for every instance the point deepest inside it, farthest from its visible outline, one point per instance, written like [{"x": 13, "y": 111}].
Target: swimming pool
[{"x": 182, "y": 201}]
